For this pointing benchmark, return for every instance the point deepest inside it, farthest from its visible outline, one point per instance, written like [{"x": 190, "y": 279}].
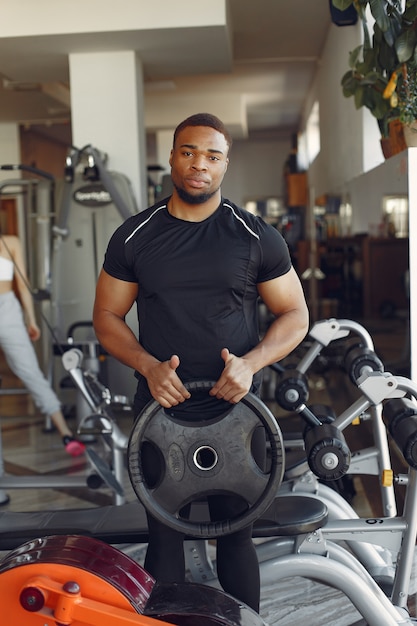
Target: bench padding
[{"x": 288, "y": 515}]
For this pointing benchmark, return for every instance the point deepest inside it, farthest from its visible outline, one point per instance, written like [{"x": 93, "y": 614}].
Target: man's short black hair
[{"x": 204, "y": 119}]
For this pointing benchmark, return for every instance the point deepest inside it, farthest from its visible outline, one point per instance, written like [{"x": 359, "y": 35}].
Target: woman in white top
[{"x": 17, "y": 328}]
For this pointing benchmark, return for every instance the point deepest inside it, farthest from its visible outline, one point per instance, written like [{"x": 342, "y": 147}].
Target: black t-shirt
[{"x": 197, "y": 282}]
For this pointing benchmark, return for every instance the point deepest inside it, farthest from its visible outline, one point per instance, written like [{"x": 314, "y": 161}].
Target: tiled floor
[{"x": 28, "y": 450}]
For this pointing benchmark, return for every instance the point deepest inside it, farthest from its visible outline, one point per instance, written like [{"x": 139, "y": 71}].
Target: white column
[
  {"x": 164, "y": 139},
  {"x": 9, "y": 149},
  {"x": 108, "y": 112}
]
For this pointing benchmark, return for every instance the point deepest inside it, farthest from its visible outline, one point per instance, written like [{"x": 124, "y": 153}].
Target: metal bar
[
  {"x": 368, "y": 598},
  {"x": 384, "y": 460},
  {"x": 406, "y": 556},
  {"x": 41, "y": 482}
]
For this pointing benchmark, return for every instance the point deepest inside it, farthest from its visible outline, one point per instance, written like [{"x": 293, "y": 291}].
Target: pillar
[
  {"x": 107, "y": 111},
  {"x": 9, "y": 149}
]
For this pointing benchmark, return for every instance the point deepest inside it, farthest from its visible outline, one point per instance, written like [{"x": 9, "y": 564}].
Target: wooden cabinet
[
  {"x": 385, "y": 264},
  {"x": 8, "y": 216},
  {"x": 296, "y": 189},
  {"x": 366, "y": 276}
]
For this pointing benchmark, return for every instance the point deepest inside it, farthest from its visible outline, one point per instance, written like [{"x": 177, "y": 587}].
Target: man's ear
[{"x": 171, "y": 154}]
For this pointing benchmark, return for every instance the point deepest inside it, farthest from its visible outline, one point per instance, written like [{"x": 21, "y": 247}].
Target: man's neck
[{"x": 193, "y": 212}]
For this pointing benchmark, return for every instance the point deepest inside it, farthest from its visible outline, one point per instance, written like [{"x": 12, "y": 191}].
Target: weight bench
[{"x": 126, "y": 523}]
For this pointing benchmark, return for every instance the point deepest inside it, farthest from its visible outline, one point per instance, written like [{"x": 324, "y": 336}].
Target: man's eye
[{"x": 214, "y": 158}]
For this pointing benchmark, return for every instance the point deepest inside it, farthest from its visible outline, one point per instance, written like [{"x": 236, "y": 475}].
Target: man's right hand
[{"x": 165, "y": 385}]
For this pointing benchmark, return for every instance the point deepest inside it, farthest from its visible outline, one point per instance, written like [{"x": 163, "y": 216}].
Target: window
[
  {"x": 309, "y": 141},
  {"x": 395, "y": 215}
]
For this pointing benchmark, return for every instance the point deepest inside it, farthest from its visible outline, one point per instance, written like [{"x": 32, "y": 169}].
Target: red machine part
[
  {"x": 71, "y": 580},
  {"x": 77, "y": 581}
]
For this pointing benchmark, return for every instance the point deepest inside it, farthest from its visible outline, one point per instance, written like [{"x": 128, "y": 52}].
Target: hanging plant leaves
[
  {"x": 359, "y": 97},
  {"x": 387, "y": 57},
  {"x": 349, "y": 84},
  {"x": 405, "y": 45},
  {"x": 379, "y": 12},
  {"x": 354, "y": 56},
  {"x": 410, "y": 13}
]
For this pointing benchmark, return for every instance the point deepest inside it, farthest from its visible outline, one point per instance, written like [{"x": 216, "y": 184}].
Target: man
[{"x": 196, "y": 264}]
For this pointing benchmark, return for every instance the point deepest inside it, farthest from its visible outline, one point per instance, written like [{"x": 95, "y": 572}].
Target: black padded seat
[
  {"x": 288, "y": 515},
  {"x": 291, "y": 515}
]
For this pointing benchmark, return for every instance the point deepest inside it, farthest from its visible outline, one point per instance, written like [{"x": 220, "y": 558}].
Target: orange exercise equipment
[{"x": 71, "y": 580}]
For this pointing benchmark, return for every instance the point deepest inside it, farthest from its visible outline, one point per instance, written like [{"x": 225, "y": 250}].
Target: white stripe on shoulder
[
  {"x": 241, "y": 220},
  {"x": 164, "y": 206}
]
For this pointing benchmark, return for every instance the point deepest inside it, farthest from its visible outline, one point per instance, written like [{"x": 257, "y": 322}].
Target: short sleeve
[
  {"x": 276, "y": 259},
  {"x": 115, "y": 259}
]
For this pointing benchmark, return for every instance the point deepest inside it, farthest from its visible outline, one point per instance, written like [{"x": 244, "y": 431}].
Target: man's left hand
[{"x": 236, "y": 379}]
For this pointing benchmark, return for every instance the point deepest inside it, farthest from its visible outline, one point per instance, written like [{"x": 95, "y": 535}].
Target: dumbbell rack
[{"x": 292, "y": 395}]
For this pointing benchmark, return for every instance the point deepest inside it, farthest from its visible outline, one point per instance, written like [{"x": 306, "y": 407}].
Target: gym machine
[
  {"x": 65, "y": 226},
  {"x": 396, "y": 534},
  {"x": 92, "y": 202},
  {"x": 312, "y": 547},
  {"x": 99, "y": 422},
  {"x": 47, "y": 239},
  {"x": 320, "y": 453},
  {"x": 85, "y": 582}
]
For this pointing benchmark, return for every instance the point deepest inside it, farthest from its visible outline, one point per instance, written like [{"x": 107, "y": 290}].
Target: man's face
[{"x": 198, "y": 163}]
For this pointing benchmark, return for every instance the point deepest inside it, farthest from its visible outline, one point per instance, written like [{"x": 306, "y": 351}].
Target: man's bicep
[
  {"x": 283, "y": 293},
  {"x": 114, "y": 295}
]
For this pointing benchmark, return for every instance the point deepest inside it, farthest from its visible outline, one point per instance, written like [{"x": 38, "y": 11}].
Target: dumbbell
[
  {"x": 327, "y": 452},
  {"x": 359, "y": 360},
  {"x": 400, "y": 415},
  {"x": 291, "y": 390}
]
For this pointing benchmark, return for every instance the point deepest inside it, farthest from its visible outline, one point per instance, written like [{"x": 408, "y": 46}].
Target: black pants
[{"x": 237, "y": 561}]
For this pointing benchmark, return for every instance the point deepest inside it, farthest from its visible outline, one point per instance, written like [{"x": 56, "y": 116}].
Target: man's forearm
[
  {"x": 282, "y": 337},
  {"x": 119, "y": 340}
]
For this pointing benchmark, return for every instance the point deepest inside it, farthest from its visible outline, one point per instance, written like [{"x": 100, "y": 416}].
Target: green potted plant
[
  {"x": 406, "y": 97},
  {"x": 383, "y": 70}
]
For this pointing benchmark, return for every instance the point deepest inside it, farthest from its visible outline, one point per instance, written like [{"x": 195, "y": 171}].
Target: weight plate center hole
[{"x": 205, "y": 458}]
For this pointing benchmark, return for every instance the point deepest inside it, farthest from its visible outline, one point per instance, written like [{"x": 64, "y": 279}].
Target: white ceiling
[{"x": 269, "y": 55}]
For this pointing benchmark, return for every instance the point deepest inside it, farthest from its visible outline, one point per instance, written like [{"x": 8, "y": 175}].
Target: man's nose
[{"x": 199, "y": 163}]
